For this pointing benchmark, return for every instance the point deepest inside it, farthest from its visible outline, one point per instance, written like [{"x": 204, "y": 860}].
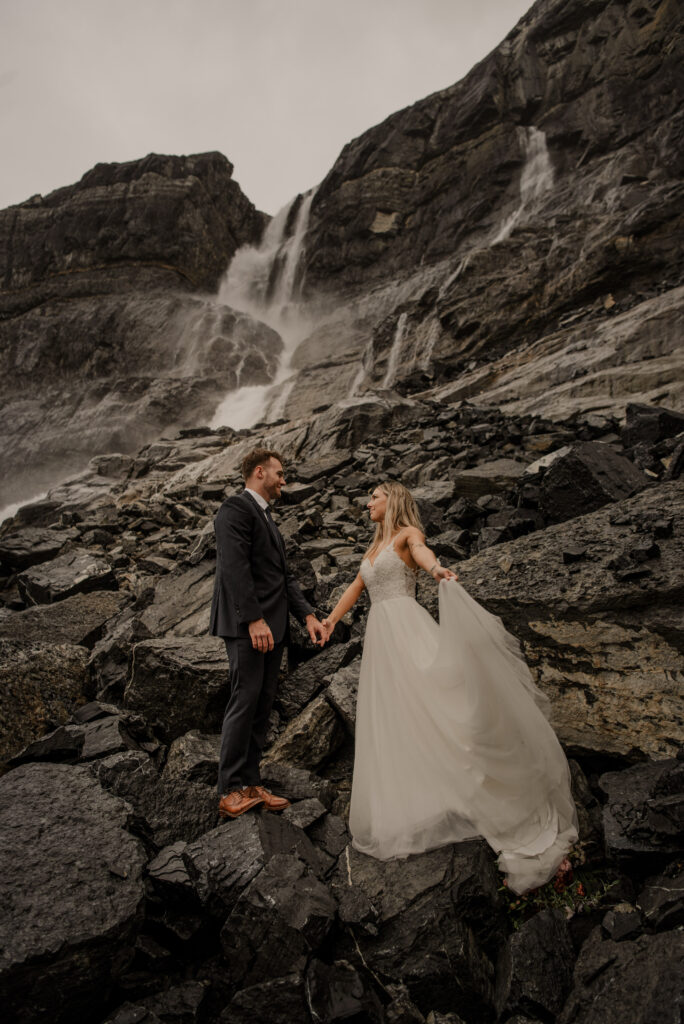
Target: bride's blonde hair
[{"x": 401, "y": 510}]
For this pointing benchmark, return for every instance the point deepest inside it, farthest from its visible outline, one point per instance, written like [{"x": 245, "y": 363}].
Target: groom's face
[{"x": 273, "y": 478}]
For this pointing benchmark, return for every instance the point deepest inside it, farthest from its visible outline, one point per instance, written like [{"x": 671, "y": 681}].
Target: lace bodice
[{"x": 389, "y": 576}]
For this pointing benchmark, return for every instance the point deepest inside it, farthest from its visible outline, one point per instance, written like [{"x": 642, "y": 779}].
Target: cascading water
[
  {"x": 263, "y": 281},
  {"x": 536, "y": 178},
  {"x": 395, "y": 352}
]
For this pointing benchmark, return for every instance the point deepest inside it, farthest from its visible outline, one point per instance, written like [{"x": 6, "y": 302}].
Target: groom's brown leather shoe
[
  {"x": 271, "y": 802},
  {"x": 238, "y": 801}
]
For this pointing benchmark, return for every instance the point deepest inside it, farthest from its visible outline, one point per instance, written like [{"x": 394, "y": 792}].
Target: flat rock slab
[
  {"x": 77, "y": 571},
  {"x": 71, "y": 890},
  {"x": 40, "y": 683},
  {"x": 79, "y": 619},
  {"x": 181, "y": 602},
  {"x": 32, "y": 545},
  {"x": 179, "y": 684},
  {"x": 488, "y": 478}
]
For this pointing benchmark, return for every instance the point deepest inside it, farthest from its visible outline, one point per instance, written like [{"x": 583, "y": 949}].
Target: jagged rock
[
  {"x": 338, "y": 991},
  {"x": 330, "y": 833},
  {"x": 444, "y": 903},
  {"x": 623, "y": 921},
  {"x": 297, "y": 688},
  {"x": 41, "y": 683},
  {"x": 310, "y": 738},
  {"x": 402, "y": 1009},
  {"x": 661, "y": 902},
  {"x": 169, "y": 874},
  {"x": 348, "y": 423},
  {"x": 591, "y": 475},
  {"x": 167, "y": 810},
  {"x": 77, "y": 859},
  {"x": 604, "y": 649},
  {"x": 181, "y": 602},
  {"x": 77, "y": 571},
  {"x": 223, "y": 862},
  {"x": 32, "y": 545},
  {"x": 285, "y": 998},
  {"x": 342, "y": 692},
  {"x": 88, "y": 741},
  {"x": 108, "y": 665},
  {"x": 536, "y": 971},
  {"x": 650, "y": 424},
  {"x": 644, "y": 814},
  {"x": 177, "y": 1005},
  {"x": 179, "y": 683},
  {"x": 79, "y": 619},
  {"x": 304, "y": 813},
  {"x": 194, "y": 757},
  {"x": 293, "y": 782},
  {"x": 638, "y": 981},
  {"x": 276, "y": 923}
]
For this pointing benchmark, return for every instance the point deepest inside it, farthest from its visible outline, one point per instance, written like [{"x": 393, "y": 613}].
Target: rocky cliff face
[
  {"x": 106, "y": 291},
  {"x": 532, "y": 209}
]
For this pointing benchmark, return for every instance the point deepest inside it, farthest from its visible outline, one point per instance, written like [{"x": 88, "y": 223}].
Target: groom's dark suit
[{"x": 252, "y": 582}]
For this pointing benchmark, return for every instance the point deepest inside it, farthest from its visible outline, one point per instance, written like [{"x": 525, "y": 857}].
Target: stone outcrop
[{"x": 103, "y": 341}]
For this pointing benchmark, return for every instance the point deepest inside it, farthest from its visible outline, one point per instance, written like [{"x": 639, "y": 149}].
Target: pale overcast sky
[{"x": 278, "y": 86}]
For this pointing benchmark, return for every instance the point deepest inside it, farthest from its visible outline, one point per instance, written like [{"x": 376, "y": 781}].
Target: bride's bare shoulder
[{"x": 409, "y": 535}]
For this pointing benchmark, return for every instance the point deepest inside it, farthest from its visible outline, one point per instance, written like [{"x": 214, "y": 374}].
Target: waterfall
[
  {"x": 536, "y": 178},
  {"x": 395, "y": 352},
  {"x": 263, "y": 281}
]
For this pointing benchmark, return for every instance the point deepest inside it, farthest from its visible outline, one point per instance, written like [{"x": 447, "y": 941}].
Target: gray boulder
[
  {"x": 535, "y": 971},
  {"x": 179, "y": 683},
  {"x": 589, "y": 476},
  {"x": 311, "y": 738},
  {"x": 72, "y": 899},
  {"x": 194, "y": 757},
  {"x": 643, "y": 816},
  {"x": 32, "y": 545},
  {"x": 80, "y": 619}
]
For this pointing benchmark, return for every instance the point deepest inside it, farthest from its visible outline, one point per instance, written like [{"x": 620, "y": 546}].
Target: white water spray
[
  {"x": 536, "y": 178},
  {"x": 263, "y": 281},
  {"x": 395, "y": 352}
]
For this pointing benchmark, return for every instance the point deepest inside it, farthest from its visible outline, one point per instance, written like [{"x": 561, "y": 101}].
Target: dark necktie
[{"x": 272, "y": 525}]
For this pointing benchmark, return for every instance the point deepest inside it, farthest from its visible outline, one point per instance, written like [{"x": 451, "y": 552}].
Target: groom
[{"x": 253, "y": 595}]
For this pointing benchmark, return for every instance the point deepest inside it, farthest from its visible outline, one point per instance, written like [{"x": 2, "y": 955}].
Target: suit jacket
[{"x": 252, "y": 578}]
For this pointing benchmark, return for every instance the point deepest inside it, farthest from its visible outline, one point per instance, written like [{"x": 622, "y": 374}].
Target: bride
[{"x": 452, "y": 737}]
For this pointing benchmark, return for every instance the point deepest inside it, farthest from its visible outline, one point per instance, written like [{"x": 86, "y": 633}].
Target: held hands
[
  {"x": 329, "y": 627},
  {"x": 261, "y": 636},
  {"x": 317, "y": 631}
]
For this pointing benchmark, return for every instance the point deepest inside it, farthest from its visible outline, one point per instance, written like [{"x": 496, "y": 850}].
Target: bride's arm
[
  {"x": 347, "y": 601},
  {"x": 424, "y": 558}
]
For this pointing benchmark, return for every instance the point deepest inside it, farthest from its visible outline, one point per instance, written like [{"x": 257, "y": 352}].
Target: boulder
[
  {"x": 643, "y": 816},
  {"x": 497, "y": 476},
  {"x": 342, "y": 692},
  {"x": 661, "y": 902},
  {"x": 167, "y": 810},
  {"x": 639, "y": 981},
  {"x": 181, "y": 602},
  {"x": 589, "y": 476},
  {"x": 309, "y": 739},
  {"x": 285, "y": 997},
  {"x": 295, "y": 783},
  {"x": 535, "y": 972},
  {"x": 80, "y": 619},
  {"x": 649, "y": 424},
  {"x": 298, "y": 687},
  {"x": 221, "y": 863},
  {"x": 77, "y": 571},
  {"x": 444, "y": 903},
  {"x": 339, "y": 991},
  {"x": 88, "y": 741},
  {"x": 41, "y": 684},
  {"x": 304, "y": 813},
  {"x": 282, "y": 916},
  {"x": 194, "y": 757},
  {"x": 179, "y": 683},
  {"x": 73, "y": 899}
]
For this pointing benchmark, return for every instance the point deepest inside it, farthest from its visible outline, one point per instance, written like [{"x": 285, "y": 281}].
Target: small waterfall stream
[
  {"x": 263, "y": 281},
  {"x": 536, "y": 178}
]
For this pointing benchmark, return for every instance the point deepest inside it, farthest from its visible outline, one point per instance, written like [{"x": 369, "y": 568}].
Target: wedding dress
[{"x": 452, "y": 737}]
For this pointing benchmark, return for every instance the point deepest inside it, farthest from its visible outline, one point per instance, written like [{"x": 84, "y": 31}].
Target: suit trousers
[{"x": 253, "y": 683}]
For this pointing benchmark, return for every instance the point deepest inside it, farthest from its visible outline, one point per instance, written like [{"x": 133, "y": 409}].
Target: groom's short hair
[{"x": 258, "y": 457}]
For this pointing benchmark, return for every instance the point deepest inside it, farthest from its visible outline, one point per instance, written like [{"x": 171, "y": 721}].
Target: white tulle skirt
[{"x": 453, "y": 741}]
